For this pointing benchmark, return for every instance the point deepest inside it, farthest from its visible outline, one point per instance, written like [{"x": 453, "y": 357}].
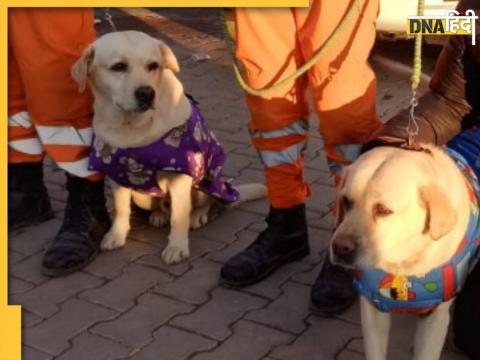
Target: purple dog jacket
[{"x": 189, "y": 149}]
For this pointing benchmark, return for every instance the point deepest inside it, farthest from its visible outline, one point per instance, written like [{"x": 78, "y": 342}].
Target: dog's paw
[
  {"x": 199, "y": 218},
  {"x": 173, "y": 254},
  {"x": 113, "y": 240},
  {"x": 158, "y": 218}
]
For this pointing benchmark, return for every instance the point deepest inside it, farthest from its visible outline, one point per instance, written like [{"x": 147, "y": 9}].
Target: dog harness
[
  {"x": 190, "y": 149},
  {"x": 420, "y": 295}
]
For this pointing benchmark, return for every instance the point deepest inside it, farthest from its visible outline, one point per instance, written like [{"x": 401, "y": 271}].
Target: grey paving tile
[
  {"x": 44, "y": 300},
  {"x": 53, "y": 335},
  {"x": 29, "y": 353},
  {"x": 18, "y": 286},
  {"x": 198, "y": 247},
  {"x": 214, "y": 318},
  {"x": 323, "y": 221},
  {"x": 14, "y": 257},
  {"x": 319, "y": 339},
  {"x": 271, "y": 286},
  {"x": 31, "y": 240},
  {"x": 235, "y": 164},
  {"x": 293, "y": 305},
  {"x": 135, "y": 327},
  {"x": 30, "y": 319},
  {"x": 120, "y": 293},
  {"x": 195, "y": 285},
  {"x": 320, "y": 199},
  {"x": 318, "y": 161},
  {"x": 350, "y": 355},
  {"x": 175, "y": 344},
  {"x": 308, "y": 277},
  {"x": 109, "y": 264},
  {"x": 249, "y": 341},
  {"x": 247, "y": 150},
  {"x": 351, "y": 315},
  {"x": 224, "y": 228},
  {"x": 156, "y": 237},
  {"x": 245, "y": 238},
  {"x": 401, "y": 341},
  {"x": 29, "y": 269},
  {"x": 240, "y": 136},
  {"x": 319, "y": 242},
  {"x": 90, "y": 346}
]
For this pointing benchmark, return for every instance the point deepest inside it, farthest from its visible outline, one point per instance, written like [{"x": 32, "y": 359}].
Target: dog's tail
[{"x": 249, "y": 192}]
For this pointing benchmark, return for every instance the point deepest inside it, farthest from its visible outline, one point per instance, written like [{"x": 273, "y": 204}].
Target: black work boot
[
  {"x": 283, "y": 241},
  {"x": 28, "y": 201},
  {"x": 333, "y": 290},
  {"x": 85, "y": 222}
]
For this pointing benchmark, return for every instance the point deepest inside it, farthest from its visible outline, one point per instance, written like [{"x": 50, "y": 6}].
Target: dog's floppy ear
[
  {"x": 167, "y": 57},
  {"x": 441, "y": 217},
  {"x": 79, "y": 70}
]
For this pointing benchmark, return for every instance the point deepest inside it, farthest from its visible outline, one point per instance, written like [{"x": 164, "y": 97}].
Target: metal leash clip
[
  {"x": 109, "y": 19},
  {"x": 413, "y": 128}
]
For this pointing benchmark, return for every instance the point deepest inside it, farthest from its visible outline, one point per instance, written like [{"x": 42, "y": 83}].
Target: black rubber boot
[
  {"x": 283, "y": 241},
  {"x": 332, "y": 292},
  {"x": 28, "y": 201},
  {"x": 85, "y": 222}
]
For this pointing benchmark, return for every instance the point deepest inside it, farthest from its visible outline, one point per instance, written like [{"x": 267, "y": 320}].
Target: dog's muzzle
[
  {"x": 345, "y": 249},
  {"x": 144, "y": 96}
]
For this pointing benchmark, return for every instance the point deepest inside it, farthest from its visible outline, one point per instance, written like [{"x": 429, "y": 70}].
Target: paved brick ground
[{"x": 129, "y": 304}]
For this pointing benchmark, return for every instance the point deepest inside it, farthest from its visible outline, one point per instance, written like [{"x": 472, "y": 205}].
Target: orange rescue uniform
[
  {"x": 46, "y": 112},
  {"x": 271, "y": 45}
]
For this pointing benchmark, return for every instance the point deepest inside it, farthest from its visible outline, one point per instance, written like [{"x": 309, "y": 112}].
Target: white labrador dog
[
  {"x": 137, "y": 99},
  {"x": 403, "y": 212}
]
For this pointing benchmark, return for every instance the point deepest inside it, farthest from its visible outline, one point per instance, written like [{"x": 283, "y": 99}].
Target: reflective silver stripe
[
  {"x": 78, "y": 168},
  {"x": 287, "y": 156},
  {"x": 299, "y": 127},
  {"x": 64, "y": 135},
  {"x": 20, "y": 119},
  {"x": 30, "y": 146},
  {"x": 349, "y": 152}
]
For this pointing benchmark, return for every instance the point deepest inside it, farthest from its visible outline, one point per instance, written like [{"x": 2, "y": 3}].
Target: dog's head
[
  {"x": 390, "y": 210},
  {"x": 124, "y": 67}
]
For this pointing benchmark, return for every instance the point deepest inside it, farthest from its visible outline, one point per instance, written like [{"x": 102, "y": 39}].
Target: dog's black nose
[
  {"x": 345, "y": 248},
  {"x": 144, "y": 96}
]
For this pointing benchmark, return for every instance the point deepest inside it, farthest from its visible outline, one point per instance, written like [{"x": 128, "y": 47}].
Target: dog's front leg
[
  {"x": 117, "y": 235},
  {"x": 376, "y": 330},
  {"x": 431, "y": 332},
  {"x": 177, "y": 249}
]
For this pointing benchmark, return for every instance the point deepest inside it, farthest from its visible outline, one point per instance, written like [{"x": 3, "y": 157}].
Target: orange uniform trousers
[
  {"x": 271, "y": 44},
  {"x": 46, "y": 112}
]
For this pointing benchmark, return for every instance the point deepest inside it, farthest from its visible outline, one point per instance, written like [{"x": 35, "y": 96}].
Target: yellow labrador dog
[
  {"x": 137, "y": 100},
  {"x": 406, "y": 213}
]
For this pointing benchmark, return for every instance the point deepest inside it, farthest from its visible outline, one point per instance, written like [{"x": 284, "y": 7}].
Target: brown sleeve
[{"x": 452, "y": 102}]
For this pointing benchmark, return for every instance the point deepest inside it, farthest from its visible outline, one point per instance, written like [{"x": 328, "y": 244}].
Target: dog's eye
[
  {"x": 119, "y": 67},
  {"x": 380, "y": 210},
  {"x": 152, "y": 66},
  {"x": 346, "y": 203}
]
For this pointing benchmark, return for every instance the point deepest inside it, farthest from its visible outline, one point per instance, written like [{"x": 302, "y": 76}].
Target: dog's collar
[
  {"x": 420, "y": 295},
  {"x": 416, "y": 147}
]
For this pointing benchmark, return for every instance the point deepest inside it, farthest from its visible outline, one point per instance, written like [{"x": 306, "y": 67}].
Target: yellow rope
[
  {"x": 348, "y": 18},
  {"x": 413, "y": 127},
  {"x": 417, "y": 51}
]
